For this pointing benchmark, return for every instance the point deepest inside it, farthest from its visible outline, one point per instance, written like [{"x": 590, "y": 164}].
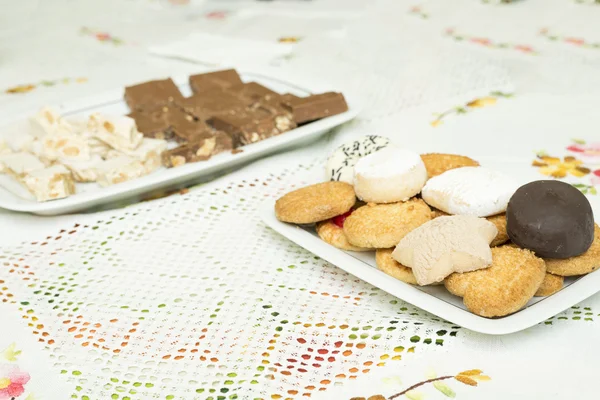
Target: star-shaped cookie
[{"x": 438, "y": 248}]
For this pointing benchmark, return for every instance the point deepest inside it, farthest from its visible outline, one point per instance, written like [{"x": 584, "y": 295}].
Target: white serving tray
[
  {"x": 16, "y": 198},
  {"x": 436, "y": 299}
]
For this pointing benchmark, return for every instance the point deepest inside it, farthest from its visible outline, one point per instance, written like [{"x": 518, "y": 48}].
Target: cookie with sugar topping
[
  {"x": 315, "y": 203},
  {"x": 393, "y": 268},
  {"x": 438, "y": 163},
  {"x": 390, "y": 175},
  {"x": 340, "y": 164},
  {"x": 550, "y": 285},
  {"x": 476, "y": 191},
  {"x": 332, "y": 232},
  {"x": 578, "y": 265},
  {"x": 379, "y": 226},
  {"x": 503, "y": 288}
]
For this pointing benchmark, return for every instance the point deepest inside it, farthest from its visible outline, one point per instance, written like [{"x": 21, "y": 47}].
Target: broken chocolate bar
[
  {"x": 317, "y": 106},
  {"x": 214, "y": 80},
  {"x": 252, "y": 91},
  {"x": 200, "y": 150},
  {"x": 169, "y": 122},
  {"x": 152, "y": 123},
  {"x": 246, "y": 127},
  {"x": 151, "y": 94},
  {"x": 211, "y": 103}
]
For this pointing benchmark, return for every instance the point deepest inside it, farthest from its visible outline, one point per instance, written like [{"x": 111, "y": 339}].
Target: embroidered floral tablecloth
[{"x": 190, "y": 296}]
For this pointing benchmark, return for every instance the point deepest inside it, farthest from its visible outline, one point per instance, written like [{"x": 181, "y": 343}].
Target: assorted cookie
[
  {"x": 443, "y": 219},
  {"x": 163, "y": 128},
  {"x": 513, "y": 278}
]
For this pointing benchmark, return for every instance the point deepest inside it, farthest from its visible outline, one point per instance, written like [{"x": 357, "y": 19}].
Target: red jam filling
[{"x": 339, "y": 220}]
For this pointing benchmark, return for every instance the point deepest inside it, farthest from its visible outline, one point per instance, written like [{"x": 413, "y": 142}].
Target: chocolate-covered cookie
[{"x": 552, "y": 218}]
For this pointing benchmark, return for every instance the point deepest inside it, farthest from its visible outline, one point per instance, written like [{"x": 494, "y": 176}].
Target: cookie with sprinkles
[{"x": 340, "y": 164}]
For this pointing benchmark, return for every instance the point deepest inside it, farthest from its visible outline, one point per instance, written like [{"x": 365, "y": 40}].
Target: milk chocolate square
[
  {"x": 252, "y": 91},
  {"x": 199, "y": 150},
  {"x": 214, "y": 80},
  {"x": 317, "y": 106},
  {"x": 151, "y": 94},
  {"x": 246, "y": 127},
  {"x": 152, "y": 123},
  {"x": 211, "y": 103}
]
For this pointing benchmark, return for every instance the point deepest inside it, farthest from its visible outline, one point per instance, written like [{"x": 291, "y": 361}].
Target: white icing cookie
[
  {"x": 476, "y": 191},
  {"x": 340, "y": 164},
  {"x": 440, "y": 247},
  {"x": 389, "y": 175}
]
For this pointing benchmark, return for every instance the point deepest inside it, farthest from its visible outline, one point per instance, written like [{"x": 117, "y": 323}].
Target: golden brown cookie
[
  {"x": 380, "y": 226},
  {"x": 505, "y": 287},
  {"x": 437, "y": 163},
  {"x": 393, "y": 268},
  {"x": 579, "y": 265},
  {"x": 550, "y": 285},
  {"x": 500, "y": 222},
  {"x": 329, "y": 232},
  {"x": 315, "y": 203},
  {"x": 437, "y": 213}
]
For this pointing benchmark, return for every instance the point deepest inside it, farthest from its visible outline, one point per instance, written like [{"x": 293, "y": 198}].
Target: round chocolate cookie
[{"x": 552, "y": 218}]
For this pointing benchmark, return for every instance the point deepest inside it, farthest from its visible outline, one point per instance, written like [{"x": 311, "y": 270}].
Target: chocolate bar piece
[
  {"x": 211, "y": 103},
  {"x": 306, "y": 109},
  {"x": 151, "y": 94},
  {"x": 246, "y": 127},
  {"x": 214, "y": 80},
  {"x": 152, "y": 123},
  {"x": 274, "y": 105},
  {"x": 184, "y": 127},
  {"x": 199, "y": 150},
  {"x": 252, "y": 91},
  {"x": 170, "y": 122}
]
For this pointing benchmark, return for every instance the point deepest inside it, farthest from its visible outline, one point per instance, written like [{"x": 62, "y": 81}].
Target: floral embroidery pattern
[
  {"x": 581, "y": 166},
  {"x": 574, "y": 41},
  {"x": 470, "y": 106},
  {"x": 289, "y": 39},
  {"x": 589, "y": 153},
  {"x": 489, "y": 43},
  {"x": 418, "y": 11},
  {"x": 101, "y": 36},
  {"x": 217, "y": 15},
  {"x": 12, "y": 379},
  {"x": 471, "y": 378},
  {"x": 31, "y": 86}
]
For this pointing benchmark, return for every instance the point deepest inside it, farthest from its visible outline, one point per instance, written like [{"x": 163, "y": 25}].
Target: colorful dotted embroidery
[{"x": 489, "y": 43}]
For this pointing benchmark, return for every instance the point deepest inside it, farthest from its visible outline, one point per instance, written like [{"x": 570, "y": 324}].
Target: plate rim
[{"x": 550, "y": 306}]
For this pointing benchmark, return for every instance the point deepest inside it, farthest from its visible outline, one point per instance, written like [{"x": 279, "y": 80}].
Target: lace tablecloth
[{"x": 190, "y": 296}]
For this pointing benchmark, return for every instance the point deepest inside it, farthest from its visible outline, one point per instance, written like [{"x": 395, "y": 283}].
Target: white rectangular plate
[
  {"x": 16, "y": 198},
  {"x": 436, "y": 299}
]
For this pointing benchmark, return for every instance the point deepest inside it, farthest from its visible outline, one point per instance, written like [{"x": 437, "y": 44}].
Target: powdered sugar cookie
[
  {"x": 393, "y": 268},
  {"x": 476, "y": 191},
  {"x": 579, "y": 265},
  {"x": 550, "y": 285},
  {"x": 505, "y": 287},
  {"x": 437, "y": 163},
  {"x": 332, "y": 232},
  {"x": 384, "y": 225},
  {"x": 389, "y": 175},
  {"x": 340, "y": 164},
  {"x": 315, "y": 203}
]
